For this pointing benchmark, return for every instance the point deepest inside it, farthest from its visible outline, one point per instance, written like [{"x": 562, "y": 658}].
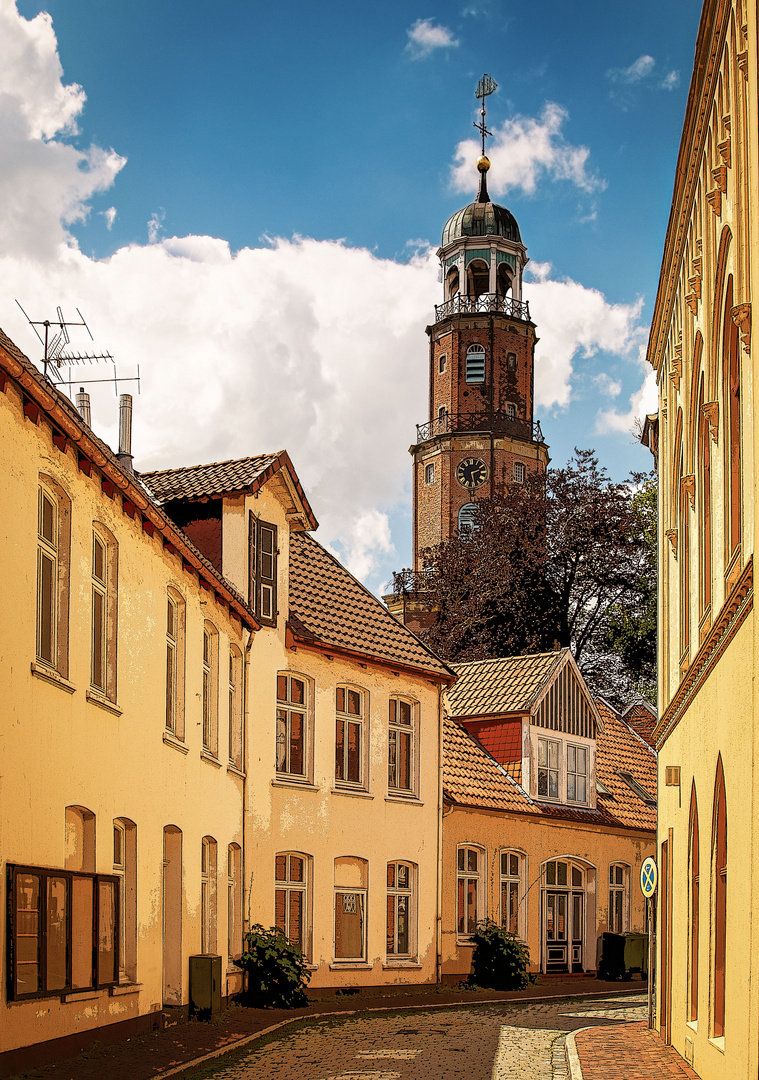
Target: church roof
[
  {"x": 481, "y": 219},
  {"x": 329, "y": 607}
]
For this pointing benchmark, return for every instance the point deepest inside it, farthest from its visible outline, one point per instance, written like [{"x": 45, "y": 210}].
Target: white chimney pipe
[
  {"x": 83, "y": 406},
  {"x": 125, "y": 432}
]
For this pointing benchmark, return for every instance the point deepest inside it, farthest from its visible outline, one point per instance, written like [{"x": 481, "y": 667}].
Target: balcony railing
[
  {"x": 461, "y": 304},
  {"x": 501, "y": 423}
]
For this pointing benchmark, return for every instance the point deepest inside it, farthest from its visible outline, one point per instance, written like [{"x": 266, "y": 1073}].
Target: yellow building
[
  {"x": 704, "y": 436},
  {"x": 121, "y": 778},
  {"x": 344, "y": 728},
  {"x": 549, "y": 811}
]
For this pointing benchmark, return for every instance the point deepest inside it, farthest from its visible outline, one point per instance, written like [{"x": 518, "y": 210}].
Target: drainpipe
[
  {"x": 245, "y": 914},
  {"x": 439, "y": 918}
]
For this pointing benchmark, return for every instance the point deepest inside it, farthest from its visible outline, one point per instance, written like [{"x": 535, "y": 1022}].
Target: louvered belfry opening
[{"x": 566, "y": 708}]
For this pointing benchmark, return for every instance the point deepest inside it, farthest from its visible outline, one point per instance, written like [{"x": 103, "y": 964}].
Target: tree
[{"x": 561, "y": 560}]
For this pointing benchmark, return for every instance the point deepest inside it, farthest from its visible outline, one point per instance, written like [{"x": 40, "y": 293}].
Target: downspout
[
  {"x": 245, "y": 683},
  {"x": 439, "y": 918}
]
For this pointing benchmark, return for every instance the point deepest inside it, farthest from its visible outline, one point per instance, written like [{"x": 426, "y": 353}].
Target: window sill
[
  {"x": 467, "y": 942},
  {"x": 350, "y": 965},
  {"x": 407, "y": 965},
  {"x": 103, "y": 703},
  {"x": 212, "y": 759},
  {"x": 175, "y": 743},
  {"x": 410, "y": 800},
  {"x": 235, "y": 772},
  {"x": 356, "y": 794},
  {"x": 692, "y": 1024},
  {"x": 124, "y": 988},
  {"x": 294, "y": 785},
  {"x": 718, "y": 1043},
  {"x": 40, "y": 671},
  {"x": 81, "y": 995}
]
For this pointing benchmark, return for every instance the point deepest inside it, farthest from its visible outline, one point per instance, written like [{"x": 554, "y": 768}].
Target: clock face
[{"x": 472, "y": 472}]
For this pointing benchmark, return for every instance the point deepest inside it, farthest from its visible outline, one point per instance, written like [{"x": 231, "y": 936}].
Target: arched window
[
  {"x": 452, "y": 283},
  {"x": 503, "y": 279},
  {"x": 294, "y": 749},
  {"x": 467, "y": 515},
  {"x": 291, "y": 889},
  {"x": 475, "y": 364},
  {"x": 210, "y": 689},
  {"x": 173, "y": 909},
  {"x": 351, "y": 884},
  {"x": 478, "y": 273},
  {"x": 694, "y": 904},
  {"x": 234, "y": 903},
  {"x": 125, "y": 869},
  {"x": 104, "y": 612},
  {"x": 53, "y": 559},
  {"x": 401, "y": 913},
  {"x": 401, "y": 750},
  {"x": 719, "y": 894},
  {"x": 512, "y": 892},
  {"x": 683, "y": 554},
  {"x": 175, "y": 663},
  {"x": 351, "y": 736},
  {"x": 235, "y": 707},
  {"x": 208, "y": 895},
  {"x": 731, "y": 367},
  {"x": 470, "y": 889},
  {"x": 619, "y": 877},
  {"x": 80, "y": 839}
]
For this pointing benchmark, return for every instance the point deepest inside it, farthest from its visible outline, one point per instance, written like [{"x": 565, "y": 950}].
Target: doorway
[{"x": 563, "y": 918}]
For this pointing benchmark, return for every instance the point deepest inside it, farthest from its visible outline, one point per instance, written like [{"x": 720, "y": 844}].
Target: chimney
[
  {"x": 125, "y": 432},
  {"x": 83, "y": 406}
]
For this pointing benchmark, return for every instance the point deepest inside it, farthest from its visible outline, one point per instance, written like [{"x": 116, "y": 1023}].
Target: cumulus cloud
[
  {"x": 110, "y": 217},
  {"x": 644, "y": 400},
  {"x": 606, "y": 385},
  {"x": 642, "y": 73},
  {"x": 425, "y": 36},
  {"x": 310, "y": 345},
  {"x": 525, "y": 150}
]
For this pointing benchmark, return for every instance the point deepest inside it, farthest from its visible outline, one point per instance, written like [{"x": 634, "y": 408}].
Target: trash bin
[
  {"x": 636, "y": 955},
  {"x": 610, "y": 956}
]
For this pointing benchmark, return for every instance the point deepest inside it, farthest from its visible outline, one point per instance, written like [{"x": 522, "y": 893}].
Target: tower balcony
[
  {"x": 461, "y": 304},
  {"x": 497, "y": 422}
]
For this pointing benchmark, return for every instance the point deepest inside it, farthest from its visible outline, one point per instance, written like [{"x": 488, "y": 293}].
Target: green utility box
[
  {"x": 205, "y": 984},
  {"x": 636, "y": 954}
]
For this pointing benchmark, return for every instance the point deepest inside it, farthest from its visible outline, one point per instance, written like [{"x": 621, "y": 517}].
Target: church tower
[{"x": 480, "y": 434}]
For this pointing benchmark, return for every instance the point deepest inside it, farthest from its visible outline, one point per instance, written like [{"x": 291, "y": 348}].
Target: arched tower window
[
  {"x": 719, "y": 893},
  {"x": 475, "y": 364},
  {"x": 466, "y": 517},
  {"x": 503, "y": 279},
  {"x": 452, "y": 283},
  {"x": 478, "y": 278}
]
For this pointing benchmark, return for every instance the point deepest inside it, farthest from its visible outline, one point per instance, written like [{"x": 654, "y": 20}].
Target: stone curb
[
  {"x": 573, "y": 1058},
  {"x": 239, "y": 1043}
]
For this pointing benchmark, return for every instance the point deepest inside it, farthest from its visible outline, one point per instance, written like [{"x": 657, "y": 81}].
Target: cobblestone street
[{"x": 498, "y": 1042}]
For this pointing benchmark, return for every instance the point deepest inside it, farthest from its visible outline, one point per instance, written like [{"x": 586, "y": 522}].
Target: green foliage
[
  {"x": 499, "y": 960},
  {"x": 276, "y": 969}
]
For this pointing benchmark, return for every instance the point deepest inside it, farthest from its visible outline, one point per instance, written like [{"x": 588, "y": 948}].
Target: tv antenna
[
  {"x": 485, "y": 87},
  {"x": 54, "y": 341}
]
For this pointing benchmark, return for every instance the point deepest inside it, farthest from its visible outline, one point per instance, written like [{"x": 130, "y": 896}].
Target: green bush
[
  {"x": 276, "y": 970},
  {"x": 499, "y": 960}
]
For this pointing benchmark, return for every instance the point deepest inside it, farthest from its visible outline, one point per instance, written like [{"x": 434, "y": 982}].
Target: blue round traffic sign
[{"x": 649, "y": 877}]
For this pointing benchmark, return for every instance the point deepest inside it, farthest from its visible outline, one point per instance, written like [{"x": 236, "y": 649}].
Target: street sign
[{"x": 649, "y": 877}]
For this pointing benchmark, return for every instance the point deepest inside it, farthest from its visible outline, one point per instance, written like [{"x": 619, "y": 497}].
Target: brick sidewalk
[{"x": 629, "y": 1052}]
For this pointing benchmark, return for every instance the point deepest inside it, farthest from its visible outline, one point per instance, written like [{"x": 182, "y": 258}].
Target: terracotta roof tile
[
  {"x": 642, "y": 718},
  {"x": 330, "y": 607},
  {"x": 503, "y": 685},
  {"x": 474, "y": 778},
  {"x": 199, "y": 481}
]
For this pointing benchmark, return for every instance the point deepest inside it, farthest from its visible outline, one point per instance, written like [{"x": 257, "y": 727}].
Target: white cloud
[
  {"x": 310, "y": 345},
  {"x": 425, "y": 36},
  {"x": 155, "y": 225},
  {"x": 606, "y": 385},
  {"x": 110, "y": 217},
  {"x": 644, "y": 400},
  {"x": 637, "y": 71},
  {"x": 671, "y": 80},
  {"x": 524, "y": 150}
]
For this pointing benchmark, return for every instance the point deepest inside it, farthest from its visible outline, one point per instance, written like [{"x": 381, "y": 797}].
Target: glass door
[
  {"x": 577, "y": 926},
  {"x": 556, "y": 943}
]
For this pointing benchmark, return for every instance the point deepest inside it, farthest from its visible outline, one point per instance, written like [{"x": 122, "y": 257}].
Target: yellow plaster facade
[{"x": 705, "y": 439}]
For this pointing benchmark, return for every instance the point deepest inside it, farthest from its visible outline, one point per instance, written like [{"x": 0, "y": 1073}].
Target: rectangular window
[
  {"x": 350, "y": 925},
  {"x": 47, "y": 577},
  {"x": 577, "y": 773},
  {"x": 51, "y": 918},
  {"x": 399, "y": 909},
  {"x": 349, "y": 736},
  {"x": 290, "y": 895},
  {"x": 470, "y": 868},
  {"x": 548, "y": 768},
  {"x": 617, "y": 899},
  {"x": 291, "y": 725},
  {"x": 235, "y": 708},
  {"x": 400, "y": 755},
  {"x": 511, "y": 890},
  {"x": 475, "y": 365},
  {"x": 520, "y": 472},
  {"x": 171, "y": 666},
  {"x": 429, "y": 474},
  {"x": 99, "y": 587},
  {"x": 208, "y": 895},
  {"x": 262, "y": 569},
  {"x": 442, "y": 363},
  {"x": 210, "y": 690}
]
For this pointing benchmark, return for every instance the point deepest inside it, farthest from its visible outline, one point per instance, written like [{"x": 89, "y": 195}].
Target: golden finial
[{"x": 483, "y": 163}]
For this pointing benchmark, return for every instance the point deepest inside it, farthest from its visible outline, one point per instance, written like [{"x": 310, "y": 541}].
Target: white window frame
[
  {"x": 397, "y": 730},
  {"x": 104, "y": 589},
  {"x": 358, "y": 895},
  {"x": 208, "y": 911},
  {"x": 210, "y": 690},
  {"x": 429, "y": 473},
  {"x": 544, "y": 741},
  {"x": 344, "y": 718},
  {"x": 619, "y": 891},
  {"x": 507, "y": 879},
  {"x": 571, "y": 751},
  {"x": 235, "y": 734},
  {"x": 519, "y": 472},
  {"x": 399, "y": 896},
  {"x": 465, "y": 875},
  {"x": 474, "y": 365},
  {"x": 288, "y": 885}
]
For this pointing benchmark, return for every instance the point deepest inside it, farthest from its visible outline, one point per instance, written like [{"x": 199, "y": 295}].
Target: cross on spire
[{"x": 486, "y": 86}]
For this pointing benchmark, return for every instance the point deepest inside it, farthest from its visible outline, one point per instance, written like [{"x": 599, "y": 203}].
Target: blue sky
[{"x": 245, "y": 199}]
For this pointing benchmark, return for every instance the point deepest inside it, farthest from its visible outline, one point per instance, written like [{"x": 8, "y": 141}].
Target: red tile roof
[
  {"x": 221, "y": 478},
  {"x": 502, "y": 740},
  {"x": 330, "y": 608},
  {"x": 503, "y": 685},
  {"x": 642, "y": 718}
]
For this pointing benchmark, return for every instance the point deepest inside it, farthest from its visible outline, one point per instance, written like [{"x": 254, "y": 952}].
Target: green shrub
[
  {"x": 499, "y": 960},
  {"x": 276, "y": 970}
]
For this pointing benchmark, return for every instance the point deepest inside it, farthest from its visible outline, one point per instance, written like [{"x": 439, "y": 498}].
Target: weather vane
[{"x": 485, "y": 87}]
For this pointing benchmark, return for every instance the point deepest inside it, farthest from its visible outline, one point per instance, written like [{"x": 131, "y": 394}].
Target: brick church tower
[{"x": 480, "y": 433}]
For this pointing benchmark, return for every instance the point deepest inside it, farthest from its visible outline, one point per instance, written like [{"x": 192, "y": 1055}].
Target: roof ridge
[
  {"x": 637, "y": 735},
  {"x": 515, "y": 656},
  {"x": 212, "y": 464}
]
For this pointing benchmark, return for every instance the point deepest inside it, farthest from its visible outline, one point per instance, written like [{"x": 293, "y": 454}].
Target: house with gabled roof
[
  {"x": 549, "y": 809},
  {"x": 343, "y": 733}
]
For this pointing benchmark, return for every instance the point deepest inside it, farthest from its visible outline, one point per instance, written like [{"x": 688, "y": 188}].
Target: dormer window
[
  {"x": 475, "y": 364},
  {"x": 563, "y": 771},
  {"x": 549, "y": 751}
]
